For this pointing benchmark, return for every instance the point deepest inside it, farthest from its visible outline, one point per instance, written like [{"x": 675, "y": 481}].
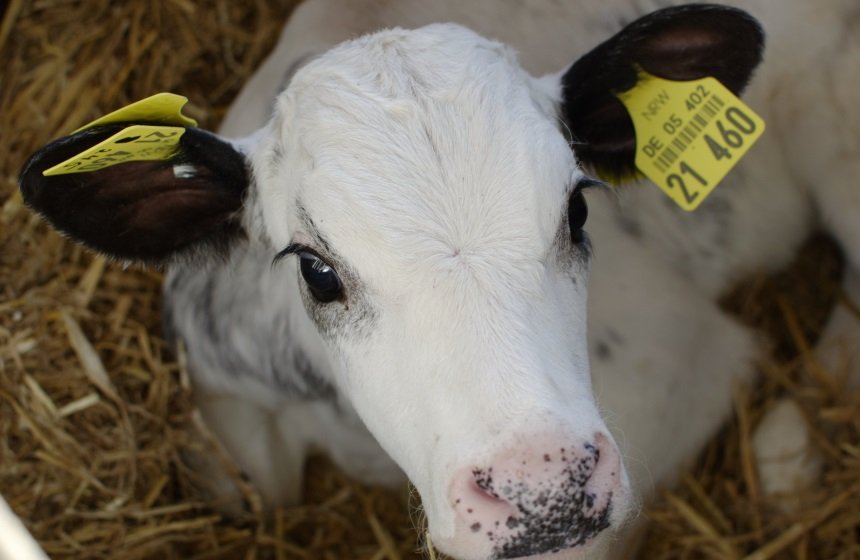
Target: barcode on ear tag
[
  {"x": 138, "y": 142},
  {"x": 689, "y": 135}
]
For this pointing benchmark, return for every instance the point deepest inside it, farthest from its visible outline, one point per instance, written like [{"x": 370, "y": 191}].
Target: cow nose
[{"x": 540, "y": 498}]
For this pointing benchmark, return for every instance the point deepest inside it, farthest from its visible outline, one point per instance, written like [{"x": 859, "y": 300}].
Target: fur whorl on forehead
[{"x": 434, "y": 140}]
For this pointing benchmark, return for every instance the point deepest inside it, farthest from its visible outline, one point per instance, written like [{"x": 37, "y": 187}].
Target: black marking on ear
[
  {"x": 678, "y": 43},
  {"x": 143, "y": 210}
]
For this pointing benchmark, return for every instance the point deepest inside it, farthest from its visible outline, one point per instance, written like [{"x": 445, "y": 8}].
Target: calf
[{"x": 393, "y": 266}]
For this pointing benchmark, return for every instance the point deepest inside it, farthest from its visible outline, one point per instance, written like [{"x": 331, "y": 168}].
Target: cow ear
[
  {"x": 680, "y": 43},
  {"x": 149, "y": 211}
]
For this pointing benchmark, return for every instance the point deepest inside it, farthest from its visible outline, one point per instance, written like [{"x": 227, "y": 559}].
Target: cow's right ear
[
  {"x": 680, "y": 43},
  {"x": 149, "y": 211}
]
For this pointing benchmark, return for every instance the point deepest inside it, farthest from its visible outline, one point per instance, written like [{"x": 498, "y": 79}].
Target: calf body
[{"x": 419, "y": 197}]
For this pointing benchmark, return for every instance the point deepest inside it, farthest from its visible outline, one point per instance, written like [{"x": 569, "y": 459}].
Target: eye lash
[
  {"x": 291, "y": 249},
  {"x": 587, "y": 182}
]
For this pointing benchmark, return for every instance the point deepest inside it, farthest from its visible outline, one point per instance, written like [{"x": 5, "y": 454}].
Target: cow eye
[
  {"x": 577, "y": 212},
  {"x": 322, "y": 280}
]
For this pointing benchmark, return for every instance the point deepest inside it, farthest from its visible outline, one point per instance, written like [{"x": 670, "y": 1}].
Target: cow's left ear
[
  {"x": 679, "y": 43},
  {"x": 148, "y": 211}
]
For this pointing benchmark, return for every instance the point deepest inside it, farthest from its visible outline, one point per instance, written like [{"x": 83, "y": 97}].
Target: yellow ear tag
[
  {"x": 689, "y": 135},
  {"x": 139, "y": 142},
  {"x": 165, "y": 108}
]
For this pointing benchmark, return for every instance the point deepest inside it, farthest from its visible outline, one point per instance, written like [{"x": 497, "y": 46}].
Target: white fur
[
  {"x": 445, "y": 226},
  {"x": 450, "y": 247}
]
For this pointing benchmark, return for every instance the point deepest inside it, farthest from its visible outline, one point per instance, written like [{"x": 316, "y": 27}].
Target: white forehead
[{"x": 415, "y": 146}]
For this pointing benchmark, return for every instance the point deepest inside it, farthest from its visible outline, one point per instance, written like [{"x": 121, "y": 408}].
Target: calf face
[
  {"x": 436, "y": 220},
  {"x": 424, "y": 189}
]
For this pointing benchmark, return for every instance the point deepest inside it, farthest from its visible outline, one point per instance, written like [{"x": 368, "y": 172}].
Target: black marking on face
[
  {"x": 312, "y": 230},
  {"x": 573, "y": 248},
  {"x": 352, "y": 318},
  {"x": 275, "y": 156},
  {"x": 352, "y": 315},
  {"x": 207, "y": 309},
  {"x": 570, "y": 255},
  {"x": 602, "y": 350},
  {"x": 553, "y": 516},
  {"x": 315, "y": 386}
]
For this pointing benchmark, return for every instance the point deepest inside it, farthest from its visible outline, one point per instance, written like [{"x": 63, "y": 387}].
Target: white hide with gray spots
[{"x": 426, "y": 307}]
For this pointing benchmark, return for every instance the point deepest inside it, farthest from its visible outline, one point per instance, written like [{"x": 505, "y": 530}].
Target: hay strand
[
  {"x": 92, "y": 364},
  {"x": 793, "y": 533}
]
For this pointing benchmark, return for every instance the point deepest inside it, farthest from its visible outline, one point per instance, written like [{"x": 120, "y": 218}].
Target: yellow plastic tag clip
[
  {"x": 689, "y": 135},
  {"x": 139, "y": 142},
  {"x": 164, "y": 108}
]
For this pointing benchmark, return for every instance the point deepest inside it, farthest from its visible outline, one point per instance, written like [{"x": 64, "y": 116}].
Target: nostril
[
  {"x": 605, "y": 476},
  {"x": 483, "y": 483},
  {"x": 481, "y": 508},
  {"x": 549, "y": 495},
  {"x": 484, "y": 497}
]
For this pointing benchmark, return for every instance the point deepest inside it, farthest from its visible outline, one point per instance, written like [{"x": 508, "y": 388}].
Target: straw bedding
[{"x": 95, "y": 411}]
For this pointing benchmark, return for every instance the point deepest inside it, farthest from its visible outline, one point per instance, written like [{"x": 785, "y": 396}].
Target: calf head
[{"x": 423, "y": 188}]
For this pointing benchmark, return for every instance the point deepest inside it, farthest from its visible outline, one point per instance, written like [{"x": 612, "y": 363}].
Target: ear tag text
[
  {"x": 689, "y": 135},
  {"x": 138, "y": 142}
]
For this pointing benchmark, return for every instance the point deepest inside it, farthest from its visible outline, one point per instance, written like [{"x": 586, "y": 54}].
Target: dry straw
[{"x": 95, "y": 411}]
